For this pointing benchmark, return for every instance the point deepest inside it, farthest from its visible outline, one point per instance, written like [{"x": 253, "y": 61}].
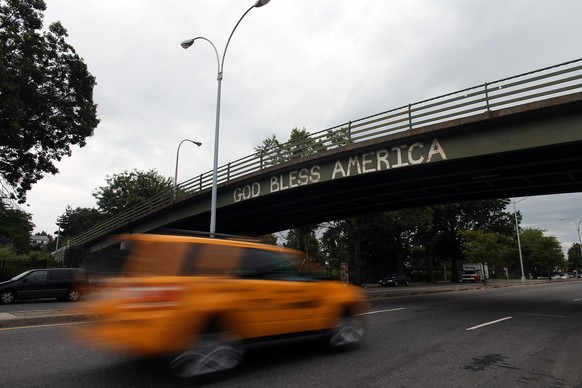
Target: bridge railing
[{"x": 549, "y": 82}]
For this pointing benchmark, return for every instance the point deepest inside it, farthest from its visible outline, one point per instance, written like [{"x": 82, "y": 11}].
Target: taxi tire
[
  {"x": 213, "y": 352},
  {"x": 348, "y": 332}
]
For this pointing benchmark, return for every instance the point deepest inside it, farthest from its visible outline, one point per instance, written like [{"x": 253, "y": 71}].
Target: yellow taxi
[{"x": 205, "y": 300}]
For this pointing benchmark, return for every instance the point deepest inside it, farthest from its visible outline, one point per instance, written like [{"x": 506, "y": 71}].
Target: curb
[
  {"x": 23, "y": 319},
  {"x": 439, "y": 289}
]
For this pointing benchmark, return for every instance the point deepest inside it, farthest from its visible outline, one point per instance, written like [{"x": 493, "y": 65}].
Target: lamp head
[
  {"x": 260, "y": 3},
  {"x": 187, "y": 43}
]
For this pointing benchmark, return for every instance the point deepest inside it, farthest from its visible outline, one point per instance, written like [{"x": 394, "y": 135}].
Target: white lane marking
[
  {"x": 576, "y": 300},
  {"x": 488, "y": 323},
  {"x": 382, "y": 311}
]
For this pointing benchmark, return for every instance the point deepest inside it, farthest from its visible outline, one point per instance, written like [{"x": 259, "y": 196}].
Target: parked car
[
  {"x": 395, "y": 279},
  {"x": 203, "y": 301},
  {"x": 559, "y": 276},
  {"x": 61, "y": 283}
]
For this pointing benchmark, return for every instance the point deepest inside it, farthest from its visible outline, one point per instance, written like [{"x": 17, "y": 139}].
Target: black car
[
  {"x": 61, "y": 283},
  {"x": 395, "y": 279}
]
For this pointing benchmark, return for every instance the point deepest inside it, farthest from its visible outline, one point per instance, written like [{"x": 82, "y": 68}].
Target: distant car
[
  {"x": 394, "y": 280},
  {"x": 559, "y": 276},
  {"x": 61, "y": 283}
]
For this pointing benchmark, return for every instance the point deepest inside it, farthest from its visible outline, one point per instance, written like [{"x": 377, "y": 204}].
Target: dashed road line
[
  {"x": 488, "y": 323},
  {"x": 382, "y": 311},
  {"x": 547, "y": 315}
]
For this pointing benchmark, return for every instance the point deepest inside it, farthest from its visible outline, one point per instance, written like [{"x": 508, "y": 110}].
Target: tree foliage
[
  {"x": 128, "y": 189},
  {"x": 15, "y": 228},
  {"x": 450, "y": 220},
  {"x": 483, "y": 246},
  {"x": 541, "y": 254},
  {"x": 304, "y": 238},
  {"x": 46, "y": 95},
  {"x": 300, "y": 144},
  {"x": 75, "y": 221},
  {"x": 575, "y": 257}
]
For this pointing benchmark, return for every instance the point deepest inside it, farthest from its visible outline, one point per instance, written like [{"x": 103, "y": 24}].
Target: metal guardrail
[{"x": 542, "y": 84}]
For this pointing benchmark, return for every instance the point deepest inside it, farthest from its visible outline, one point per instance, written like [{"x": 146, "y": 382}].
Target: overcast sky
[{"x": 291, "y": 63}]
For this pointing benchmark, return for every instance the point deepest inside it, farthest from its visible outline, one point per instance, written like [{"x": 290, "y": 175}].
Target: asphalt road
[{"x": 506, "y": 337}]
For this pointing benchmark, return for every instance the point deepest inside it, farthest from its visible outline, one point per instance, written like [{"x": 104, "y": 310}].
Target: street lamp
[
  {"x": 177, "y": 155},
  {"x": 518, "y": 239},
  {"x": 577, "y": 224},
  {"x": 186, "y": 44}
]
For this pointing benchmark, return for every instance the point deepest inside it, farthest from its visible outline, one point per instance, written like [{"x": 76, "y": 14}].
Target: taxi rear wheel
[
  {"x": 348, "y": 332},
  {"x": 213, "y": 352}
]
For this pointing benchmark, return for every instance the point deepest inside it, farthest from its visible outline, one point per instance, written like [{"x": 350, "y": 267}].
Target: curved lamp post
[
  {"x": 186, "y": 44},
  {"x": 177, "y": 155},
  {"x": 577, "y": 224},
  {"x": 518, "y": 239}
]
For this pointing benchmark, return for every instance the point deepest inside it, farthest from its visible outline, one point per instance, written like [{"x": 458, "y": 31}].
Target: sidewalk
[{"x": 374, "y": 291}]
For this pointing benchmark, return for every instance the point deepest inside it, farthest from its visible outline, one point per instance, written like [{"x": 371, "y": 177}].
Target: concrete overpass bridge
[{"x": 518, "y": 136}]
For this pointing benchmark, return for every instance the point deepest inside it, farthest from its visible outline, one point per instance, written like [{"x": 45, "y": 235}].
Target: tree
[
  {"x": 300, "y": 143},
  {"x": 129, "y": 189},
  {"x": 75, "y": 221},
  {"x": 46, "y": 95},
  {"x": 270, "y": 152},
  {"x": 541, "y": 254},
  {"x": 483, "y": 246},
  {"x": 575, "y": 257},
  {"x": 303, "y": 238},
  {"x": 15, "y": 228},
  {"x": 372, "y": 244}
]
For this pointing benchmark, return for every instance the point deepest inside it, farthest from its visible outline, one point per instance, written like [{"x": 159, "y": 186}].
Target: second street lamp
[
  {"x": 577, "y": 224},
  {"x": 518, "y": 239},
  {"x": 177, "y": 155},
  {"x": 186, "y": 44}
]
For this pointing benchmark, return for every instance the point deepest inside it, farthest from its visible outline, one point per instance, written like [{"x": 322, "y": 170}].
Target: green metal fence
[{"x": 538, "y": 85}]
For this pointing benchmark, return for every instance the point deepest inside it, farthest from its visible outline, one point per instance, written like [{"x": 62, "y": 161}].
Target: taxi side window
[
  {"x": 261, "y": 264},
  {"x": 211, "y": 260}
]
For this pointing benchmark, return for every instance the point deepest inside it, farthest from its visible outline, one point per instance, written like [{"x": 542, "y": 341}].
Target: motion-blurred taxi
[{"x": 205, "y": 300}]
